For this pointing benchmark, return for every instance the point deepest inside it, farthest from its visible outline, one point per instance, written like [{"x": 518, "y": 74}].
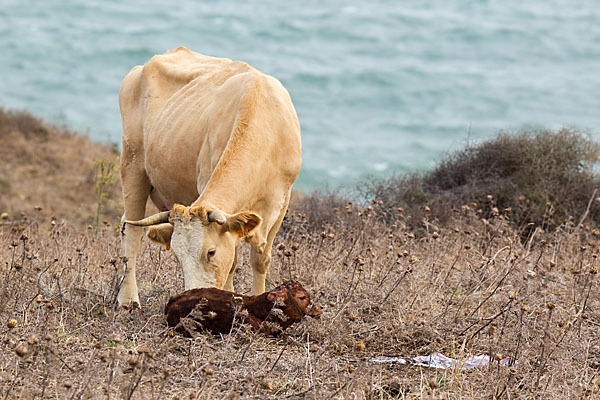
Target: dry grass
[
  {"x": 467, "y": 287},
  {"x": 466, "y": 290}
]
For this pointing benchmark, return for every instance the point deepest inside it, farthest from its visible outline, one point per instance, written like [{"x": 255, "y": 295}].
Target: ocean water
[{"x": 380, "y": 87}]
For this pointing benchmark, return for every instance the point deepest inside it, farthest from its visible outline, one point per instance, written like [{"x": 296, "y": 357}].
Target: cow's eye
[
  {"x": 302, "y": 298},
  {"x": 211, "y": 253}
]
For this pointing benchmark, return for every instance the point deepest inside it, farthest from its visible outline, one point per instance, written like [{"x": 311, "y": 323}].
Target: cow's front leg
[
  {"x": 128, "y": 293},
  {"x": 229, "y": 282},
  {"x": 136, "y": 189},
  {"x": 260, "y": 255},
  {"x": 260, "y": 261}
]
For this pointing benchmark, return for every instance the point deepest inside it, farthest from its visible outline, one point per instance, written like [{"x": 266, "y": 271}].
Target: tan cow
[{"x": 217, "y": 143}]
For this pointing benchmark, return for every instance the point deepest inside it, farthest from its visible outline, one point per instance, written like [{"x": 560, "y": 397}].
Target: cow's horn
[
  {"x": 216, "y": 216},
  {"x": 155, "y": 219}
]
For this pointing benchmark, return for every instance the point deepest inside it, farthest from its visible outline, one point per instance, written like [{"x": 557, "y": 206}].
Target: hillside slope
[{"x": 47, "y": 166}]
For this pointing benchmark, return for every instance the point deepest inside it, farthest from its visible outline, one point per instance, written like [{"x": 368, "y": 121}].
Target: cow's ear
[
  {"x": 244, "y": 223},
  {"x": 161, "y": 234}
]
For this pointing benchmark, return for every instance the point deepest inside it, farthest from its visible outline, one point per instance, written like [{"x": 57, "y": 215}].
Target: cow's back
[
  {"x": 165, "y": 75},
  {"x": 180, "y": 112},
  {"x": 168, "y": 108}
]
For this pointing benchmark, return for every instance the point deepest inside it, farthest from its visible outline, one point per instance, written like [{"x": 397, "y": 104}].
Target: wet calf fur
[{"x": 213, "y": 309}]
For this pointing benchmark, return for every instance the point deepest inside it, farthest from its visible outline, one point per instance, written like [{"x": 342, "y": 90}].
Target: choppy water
[{"x": 380, "y": 86}]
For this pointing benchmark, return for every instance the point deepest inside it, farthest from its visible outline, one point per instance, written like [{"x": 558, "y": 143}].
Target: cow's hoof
[{"x": 129, "y": 306}]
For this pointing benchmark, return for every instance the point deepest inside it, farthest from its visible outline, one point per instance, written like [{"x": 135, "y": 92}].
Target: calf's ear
[
  {"x": 161, "y": 234},
  {"x": 243, "y": 223},
  {"x": 277, "y": 295}
]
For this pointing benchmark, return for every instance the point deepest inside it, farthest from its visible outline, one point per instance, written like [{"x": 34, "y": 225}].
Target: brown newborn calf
[{"x": 213, "y": 309}]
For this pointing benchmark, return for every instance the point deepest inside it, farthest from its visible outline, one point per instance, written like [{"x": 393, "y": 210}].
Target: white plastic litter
[{"x": 437, "y": 360}]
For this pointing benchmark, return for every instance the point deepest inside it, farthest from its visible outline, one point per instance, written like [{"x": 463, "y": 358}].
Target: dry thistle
[
  {"x": 104, "y": 356},
  {"x": 21, "y": 350},
  {"x": 33, "y": 339},
  {"x": 143, "y": 350},
  {"x": 116, "y": 338},
  {"x": 133, "y": 360}
]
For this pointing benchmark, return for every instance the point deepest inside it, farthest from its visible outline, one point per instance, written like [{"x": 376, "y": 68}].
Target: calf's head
[
  {"x": 294, "y": 300},
  {"x": 203, "y": 240}
]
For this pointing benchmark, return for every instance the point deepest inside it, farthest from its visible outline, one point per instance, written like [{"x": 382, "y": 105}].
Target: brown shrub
[
  {"x": 22, "y": 122},
  {"x": 543, "y": 177}
]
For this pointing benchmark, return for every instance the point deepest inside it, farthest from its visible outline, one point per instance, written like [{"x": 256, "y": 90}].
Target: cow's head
[{"x": 202, "y": 238}]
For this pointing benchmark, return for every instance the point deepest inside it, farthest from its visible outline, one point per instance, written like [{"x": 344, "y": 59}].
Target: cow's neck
[{"x": 231, "y": 188}]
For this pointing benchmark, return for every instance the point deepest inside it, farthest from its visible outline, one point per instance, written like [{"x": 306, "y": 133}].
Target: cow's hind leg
[{"x": 135, "y": 208}]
